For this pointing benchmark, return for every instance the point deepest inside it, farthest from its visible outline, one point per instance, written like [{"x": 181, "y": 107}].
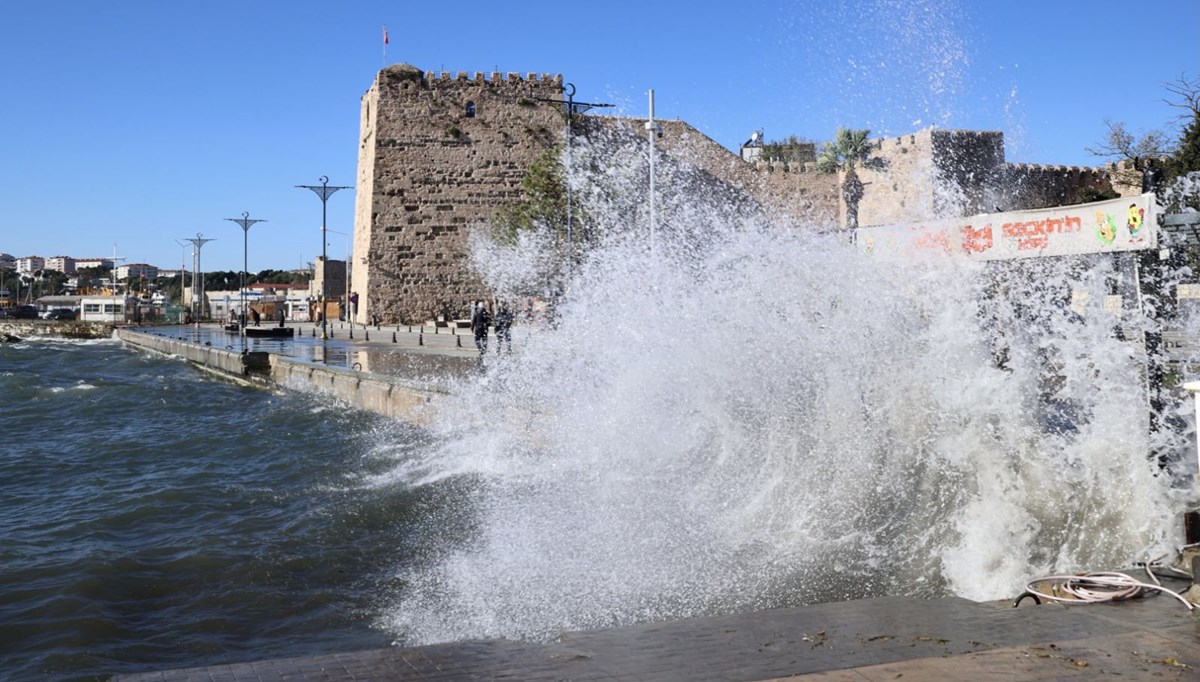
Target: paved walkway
[
  {"x": 420, "y": 353},
  {"x": 859, "y": 641}
]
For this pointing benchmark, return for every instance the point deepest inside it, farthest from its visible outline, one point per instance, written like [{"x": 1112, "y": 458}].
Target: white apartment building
[
  {"x": 63, "y": 264},
  {"x": 81, "y": 263},
  {"x": 30, "y": 264},
  {"x": 137, "y": 270}
]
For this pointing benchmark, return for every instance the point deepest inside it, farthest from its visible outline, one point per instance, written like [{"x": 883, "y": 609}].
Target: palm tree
[{"x": 848, "y": 150}]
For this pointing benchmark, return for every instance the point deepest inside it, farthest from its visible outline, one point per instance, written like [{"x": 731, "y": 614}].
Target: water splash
[{"x": 758, "y": 415}]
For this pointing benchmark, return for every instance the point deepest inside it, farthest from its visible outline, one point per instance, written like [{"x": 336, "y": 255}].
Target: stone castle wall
[
  {"x": 429, "y": 172},
  {"x": 792, "y": 190},
  {"x": 896, "y": 188},
  {"x": 1038, "y": 186}
]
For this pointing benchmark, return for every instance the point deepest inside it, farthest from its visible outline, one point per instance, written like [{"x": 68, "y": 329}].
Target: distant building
[
  {"x": 63, "y": 264},
  {"x": 7, "y": 262},
  {"x": 171, "y": 274},
  {"x": 112, "y": 309},
  {"x": 30, "y": 264},
  {"x": 335, "y": 285},
  {"x": 81, "y": 263},
  {"x": 137, "y": 270}
]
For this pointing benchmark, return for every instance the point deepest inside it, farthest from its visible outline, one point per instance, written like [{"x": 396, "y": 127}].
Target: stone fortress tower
[{"x": 438, "y": 155}]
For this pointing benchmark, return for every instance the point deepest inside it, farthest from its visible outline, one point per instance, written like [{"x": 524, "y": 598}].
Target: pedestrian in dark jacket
[
  {"x": 504, "y": 320},
  {"x": 479, "y": 325}
]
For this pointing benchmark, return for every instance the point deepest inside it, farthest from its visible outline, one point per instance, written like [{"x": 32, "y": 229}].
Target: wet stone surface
[{"x": 866, "y": 640}]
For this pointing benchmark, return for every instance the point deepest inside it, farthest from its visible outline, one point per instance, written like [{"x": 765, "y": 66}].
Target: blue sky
[{"x": 137, "y": 123}]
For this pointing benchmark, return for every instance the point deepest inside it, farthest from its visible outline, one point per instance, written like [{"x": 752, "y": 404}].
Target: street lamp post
[
  {"x": 183, "y": 243},
  {"x": 323, "y": 192},
  {"x": 245, "y": 221},
  {"x": 197, "y": 278},
  {"x": 653, "y": 130},
  {"x": 572, "y": 108}
]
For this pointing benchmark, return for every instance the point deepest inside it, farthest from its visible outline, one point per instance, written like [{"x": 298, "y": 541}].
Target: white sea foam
[{"x": 761, "y": 416}]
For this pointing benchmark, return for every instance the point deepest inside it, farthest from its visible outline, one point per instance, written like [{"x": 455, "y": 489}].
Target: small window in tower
[{"x": 470, "y": 110}]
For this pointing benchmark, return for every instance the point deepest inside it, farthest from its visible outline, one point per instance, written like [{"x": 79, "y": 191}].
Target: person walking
[
  {"x": 504, "y": 320},
  {"x": 480, "y": 322}
]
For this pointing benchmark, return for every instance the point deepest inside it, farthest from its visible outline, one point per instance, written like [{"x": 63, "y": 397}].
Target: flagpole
[{"x": 385, "y": 44}]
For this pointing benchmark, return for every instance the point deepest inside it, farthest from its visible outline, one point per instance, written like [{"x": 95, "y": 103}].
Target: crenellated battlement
[
  {"x": 407, "y": 73},
  {"x": 1047, "y": 169},
  {"x": 784, "y": 167},
  {"x": 495, "y": 77}
]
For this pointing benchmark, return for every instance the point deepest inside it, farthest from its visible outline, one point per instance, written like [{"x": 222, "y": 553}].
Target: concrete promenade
[
  {"x": 870, "y": 640},
  {"x": 859, "y": 641},
  {"x": 396, "y": 373}
]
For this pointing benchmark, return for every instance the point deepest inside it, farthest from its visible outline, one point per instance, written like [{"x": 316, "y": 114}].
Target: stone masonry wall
[
  {"x": 790, "y": 190},
  {"x": 1038, "y": 186},
  {"x": 898, "y": 186},
  {"x": 429, "y": 173}
]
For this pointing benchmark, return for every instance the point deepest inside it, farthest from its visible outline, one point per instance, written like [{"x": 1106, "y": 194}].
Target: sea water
[{"x": 152, "y": 517}]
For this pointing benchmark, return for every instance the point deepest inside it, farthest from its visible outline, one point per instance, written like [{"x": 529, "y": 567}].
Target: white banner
[{"x": 1100, "y": 227}]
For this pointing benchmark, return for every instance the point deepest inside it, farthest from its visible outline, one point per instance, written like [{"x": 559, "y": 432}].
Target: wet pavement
[
  {"x": 864, "y": 641},
  {"x": 428, "y": 355}
]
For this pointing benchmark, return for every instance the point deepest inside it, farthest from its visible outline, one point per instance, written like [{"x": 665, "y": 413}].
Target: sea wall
[
  {"x": 388, "y": 396},
  {"x": 23, "y": 329}
]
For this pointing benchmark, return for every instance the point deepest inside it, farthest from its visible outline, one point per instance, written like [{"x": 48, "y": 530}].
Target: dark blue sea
[{"x": 154, "y": 517}]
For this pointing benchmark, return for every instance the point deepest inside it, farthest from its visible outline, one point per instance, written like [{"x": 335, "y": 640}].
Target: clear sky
[{"x": 139, "y": 122}]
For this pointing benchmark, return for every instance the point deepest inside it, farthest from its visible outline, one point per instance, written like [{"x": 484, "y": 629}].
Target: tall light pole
[
  {"x": 183, "y": 243},
  {"x": 245, "y": 221},
  {"x": 653, "y": 130},
  {"x": 197, "y": 279},
  {"x": 572, "y": 108},
  {"x": 323, "y": 192}
]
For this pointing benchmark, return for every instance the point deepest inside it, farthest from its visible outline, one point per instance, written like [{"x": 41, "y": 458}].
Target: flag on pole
[{"x": 385, "y": 38}]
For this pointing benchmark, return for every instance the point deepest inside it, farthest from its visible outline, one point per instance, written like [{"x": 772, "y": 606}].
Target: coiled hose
[{"x": 1092, "y": 588}]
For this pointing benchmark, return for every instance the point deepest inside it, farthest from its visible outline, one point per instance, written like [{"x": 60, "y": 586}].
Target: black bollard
[
  {"x": 393, "y": 337},
  {"x": 366, "y": 335},
  {"x": 458, "y": 339},
  {"x": 409, "y": 329},
  {"x": 435, "y": 329},
  {"x": 421, "y": 339},
  {"x": 352, "y": 333}
]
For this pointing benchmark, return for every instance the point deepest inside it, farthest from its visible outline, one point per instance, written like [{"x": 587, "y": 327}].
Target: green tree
[
  {"x": 544, "y": 201},
  {"x": 1187, "y": 156},
  {"x": 848, "y": 151},
  {"x": 791, "y": 149}
]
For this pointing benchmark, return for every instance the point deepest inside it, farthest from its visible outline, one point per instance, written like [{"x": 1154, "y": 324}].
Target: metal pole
[
  {"x": 182, "y": 271},
  {"x": 346, "y": 275},
  {"x": 323, "y": 192},
  {"x": 653, "y": 130},
  {"x": 324, "y": 258},
  {"x": 197, "y": 279},
  {"x": 245, "y": 221},
  {"x": 570, "y": 235}
]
